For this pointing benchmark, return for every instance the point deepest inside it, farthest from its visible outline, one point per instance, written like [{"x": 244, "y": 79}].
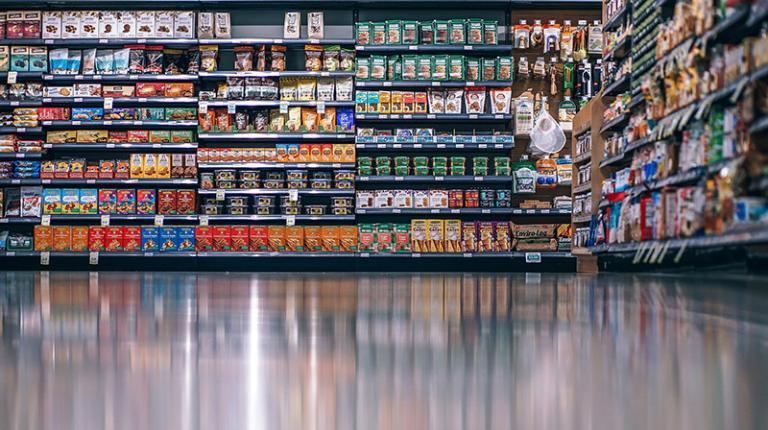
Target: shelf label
[
  {"x": 142, "y": 99},
  {"x": 90, "y": 181},
  {"x": 439, "y": 178},
  {"x": 21, "y": 130},
  {"x": 283, "y": 107},
  {"x": 455, "y": 211},
  {"x": 110, "y": 145},
  {"x": 45, "y": 258},
  {"x": 393, "y": 116},
  {"x": 93, "y": 258},
  {"x": 47, "y": 100},
  {"x": 473, "y": 116},
  {"x": 530, "y": 211},
  {"x": 397, "y": 145},
  {"x": 321, "y": 107},
  {"x": 533, "y": 257},
  {"x": 430, "y": 116},
  {"x": 108, "y": 102},
  {"x": 482, "y": 145},
  {"x": 434, "y": 211},
  {"x": 78, "y": 100},
  {"x": 399, "y": 178},
  {"x": 105, "y": 220},
  {"x": 133, "y": 77},
  {"x": 479, "y": 178},
  {"x": 16, "y": 181},
  {"x": 45, "y": 220},
  {"x": 14, "y": 103},
  {"x": 76, "y": 122},
  {"x": 103, "y": 41},
  {"x": 365, "y": 254},
  {"x": 413, "y": 48},
  {"x": 440, "y": 145},
  {"x": 386, "y": 84},
  {"x": 149, "y": 254},
  {"x": 407, "y": 116},
  {"x": 107, "y": 122},
  {"x": 467, "y": 255},
  {"x": 416, "y": 255},
  {"x": 468, "y": 47},
  {"x": 231, "y": 108},
  {"x": 499, "y": 116},
  {"x": 220, "y": 194},
  {"x": 417, "y": 145},
  {"x": 435, "y": 84},
  {"x": 459, "y": 146},
  {"x": 290, "y": 220},
  {"x": 470, "y": 83},
  {"x": 20, "y": 155},
  {"x": 96, "y": 77},
  {"x": 159, "y": 220},
  {"x": 203, "y": 220},
  {"x": 48, "y": 41},
  {"x": 381, "y": 145},
  {"x": 12, "y": 77},
  {"x": 485, "y": 211},
  {"x": 293, "y": 195},
  {"x": 396, "y": 211},
  {"x": 544, "y": 211},
  {"x": 4, "y": 220}
]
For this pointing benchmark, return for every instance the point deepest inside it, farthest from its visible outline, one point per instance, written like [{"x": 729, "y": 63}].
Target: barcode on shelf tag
[
  {"x": 290, "y": 220},
  {"x": 430, "y": 116},
  {"x": 93, "y": 258},
  {"x": 283, "y": 107},
  {"x": 293, "y": 195},
  {"x": 321, "y": 107},
  {"x": 545, "y": 211},
  {"x": 499, "y": 116},
  {"x": 530, "y": 211},
  {"x": 159, "y": 220},
  {"x": 203, "y": 220},
  {"x": 105, "y": 220},
  {"x": 45, "y": 258},
  {"x": 231, "y": 108},
  {"x": 407, "y": 116},
  {"x": 12, "y": 77},
  {"x": 202, "y": 107},
  {"x": 393, "y": 116},
  {"x": 533, "y": 257},
  {"x": 435, "y": 211},
  {"x": 45, "y": 220},
  {"x": 220, "y": 194}
]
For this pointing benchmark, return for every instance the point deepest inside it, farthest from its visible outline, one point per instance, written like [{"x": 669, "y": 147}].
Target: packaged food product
[
  {"x": 379, "y": 30},
  {"x": 51, "y": 25},
  {"x": 394, "y": 32},
  {"x": 315, "y": 25},
  {"x": 475, "y": 100},
  {"x": 521, "y": 35},
  {"x": 222, "y": 25},
  {"x": 363, "y": 33},
  {"x": 164, "y": 24},
  {"x": 205, "y": 25},
  {"x": 184, "y": 24},
  {"x": 453, "y": 101},
  {"x": 313, "y": 58},
  {"x": 436, "y": 101},
  {"x": 126, "y": 24},
  {"x": 292, "y": 25},
  {"x": 209, "y": 57},
  {"x": 457, "y": 32}
]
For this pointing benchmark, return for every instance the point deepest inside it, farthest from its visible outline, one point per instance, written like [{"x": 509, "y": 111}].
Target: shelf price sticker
[
  {"x": 45, "y": 220},
  {"x": 108, "y": 102},
  {"x": 290, "y": 220},
  {"x": 105, "y": 220},
  {"x": 12, "y": 76},
  {"x": 321, "y": 107},
  {"x": 283, "y": 107},
  {"x": 93, "y": 258},
  {"x": 293, "y": 195},
  {"x": 159, "y": 220},
  {"x": 45, "y": 258},
  {"x": 202, "y": 107},
  {"x": 203, "y": 220},
  {"x": 533, "y": 257},
  {"x": 220, "y": 194},
  {"x": 467, "y": 255},
  {"x": 231, "y": 108}
]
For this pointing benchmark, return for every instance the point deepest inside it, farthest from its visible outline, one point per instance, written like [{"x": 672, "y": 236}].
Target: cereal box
[
  {"x": 419, "y": 241},
  {"x": 79, "y": 236},
  {"x": 203, "y": 238},
  {"x": 89, "y": 202},
  {"x": 107, "y": 201},
  {"x": 185, "y": 202},
  {"x": 70, "y": 24},
  {"x": 150, "y": 166},
  {"x": 348, "y": 238},
  {"x": 313, "y": 238},
  {"x": 184, "y": 24},
  {"x": 150, "y": 239},
  {"x": 89, "y": 24},
  {"x": 62, "y": 238},
  {"x": 276, "y": 238},
  {"x": 137, "y": 165},
  {"x": 126, "y": 202},
  {"x": 294, "y": 238},
  {"x": 113, "y": 239},
  {"x": 52, "y": 204},
  {"x": 328, "y": 238},
  {"x": 126, "y": 21},
  {"x": 222, "y": 240},
  {"x": 96, "y": 238},
  {"x": 132, "y": 239},
  {"x": 469, "y": 237},
  {"x": 239, "y": 235},
  {"x": 402, "y": 237},
  {"x": 258, "y": 238},
  {"x": 70, "y": 200},
  {"x": 145, "y": 202},
  {"x": 186, "y": 238},
  {"x": 166, "y": 202},
  {"x": 436, "y": 235},
  {"x": 367, "y": 238},
  {"x": 168, "y": 239},
  {"x": 452, "y": 235},
  {"x": 190, "y": 166},
  {"x": 145, "y": 24},
  {"x": 43, "y": 238}
]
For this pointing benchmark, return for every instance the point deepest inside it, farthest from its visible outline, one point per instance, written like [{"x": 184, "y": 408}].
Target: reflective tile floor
[{"x": 116, "y": 351}]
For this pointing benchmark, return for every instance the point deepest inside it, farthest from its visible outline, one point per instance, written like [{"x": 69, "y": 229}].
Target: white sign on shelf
[
  {"x": 45, "y": 220},
  {"x": 203, "y": 219},
  {"x": 12, "y": 77},
  {"x": 290, "y": 220},
  {"x": 220, "y": 194},
  {"x": 105, "y": 220},
  {"x": 93, "y": 258},
  {"x": 202, "y": 107},
  {"x": 159, "y": 220},
  {"x": 283, "y": 107},
  {"x": 321, "y": 107},
  {"x": 231, "y": 108},
  {"x": 293, "y": 195},
  {"x": 108, "y": 102},
  {"x": 45, "y": 258}
]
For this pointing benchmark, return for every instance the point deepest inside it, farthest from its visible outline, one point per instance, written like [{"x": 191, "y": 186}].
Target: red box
[
  {"x": 166, "y": 202},
  {"x": 62, "y": 238},
  {"x": 43, "y": 238},
  {"x": 80, "y": 238},
  {"x": 203, "y": 238},
  {"x": 132, "y": 239},
  {"x": 106, "y": 169},
  {"x": 113, "y": 239},
  {"x": 185, "y": 202},
  {"x": 222, "y": 240},
  {"x": 138, "y": 136},
  {"x": 239, "y": 238},
  {"x": 122, "y": 169},
  {"x": 126, "y": 202},
  {"x": 91, "y": 169},
  {"x": 259, "y": 238},
  {"x": 96, "y": 238},
  {"x": 150, "y": 89},
  {"x": 117, "y": 136}
]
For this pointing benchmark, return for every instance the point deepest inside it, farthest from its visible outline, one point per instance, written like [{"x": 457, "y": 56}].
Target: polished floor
[{"x": 117, "y": 351}]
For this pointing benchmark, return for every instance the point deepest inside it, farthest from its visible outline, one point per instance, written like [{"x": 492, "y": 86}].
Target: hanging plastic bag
[{"x": 547, "y": 136}]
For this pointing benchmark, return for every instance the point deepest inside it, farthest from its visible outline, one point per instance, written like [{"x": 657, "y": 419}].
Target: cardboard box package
[
  {"x": 62, "y": 238},
  {"x": 276, "y": 238},
  {"x": 43, "y": 238},
  {"x": 348, "y": 238},
  {"x": 258, "y": 238}
]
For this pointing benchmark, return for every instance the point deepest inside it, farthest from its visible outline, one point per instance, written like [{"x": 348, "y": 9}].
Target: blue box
[
  {"x": 186, "y": 237},
  {"x": 150, "y": 239},
  {"x": 168, "y": 239}
]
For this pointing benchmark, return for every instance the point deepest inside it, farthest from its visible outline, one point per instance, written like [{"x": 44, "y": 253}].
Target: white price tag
[
  {"x": 78, "y": 99},
  {"x": 430, "y": 116},
  {"x": 14, "y": 103},
  {"x": 468, "y": 47},
  {"x": 321, "y": 107},
  {"x": 159, "y": 220},
  {"x": 76, "y": 123},
  {"x": 473, "y": 116},
  {"x": 417, "y": 145},
  {"x": 325, "y": 74},
  {"x": 455, "y": 211},
  {"x": 482, "y": 145},
  {"x": 533, "y": 257},
  {"x": 381, "y": 145},
  {"x": 439, "y": 178},
  {"x": 142, "y": 99},
  {"x": 435, "y": 211},
  {"x": 45, "y": 220},
  {"x": 107, "y": 122},
  {"x": 397, "y": 145},
  {"x": 103, "y": 41},
  {"x": 108, "y": 102},
  {"x": 530, "y": 211},
  {"x": 79, "y": 77},
  {"x": 413, "y": 47},
  {"x": 47, "y": 100},
  {"x": 96, "y": 77},
  {"x": 15, "y": 181},
  {"x": 21, "y": 155},
  {"x": 485, "y": 211},
  {"x": 133, "y": 77},
  {"x": 203, "y": 220},
  {"x": 399, "y": 178},
  {"x": 4, "y": 220},
  {"x": 220, "y": 194},
  {"x": 45, "y": 258},
  {"x": 407, "y": 116},
  {"x": 499, "y": 116},
  {"x": 314, "y": 41},
  {"x": 293, "y": 195},
  {"x": 93, "y": 258},
  {"x": 90, "y": 181},
  {"x": 435, "y": 83},
  {"x": 479, "y": 178},
  {"x": 459, "y": 146},
  {"x": 48, "y": 41},
  {"x": 157, "y": 145},
  {"x": 110, "y": 145},
  {"x": 470, "y": 83},
  {"x": 21, "y": 129},
  {"x": 290, "y": 220},
  {"x": 387, "y": 84},
  {"x": 393, "y": 116},
  {"x": 12, "y": 77},
  {"x": 440, "y": 145},
  {"x": 105, "y": 220},
  {"x": 149, "y": 254},
  {"x": 231, "y": 108},
  {"x": 467, "y": 255},
  {"x": 396, "y": 211},
  {"x": 283, "y": 107}
]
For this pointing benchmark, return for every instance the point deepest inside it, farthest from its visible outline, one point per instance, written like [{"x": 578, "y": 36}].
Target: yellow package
[
  {"x": 436, "y": 235},
  {"x": 419, "y": 236},
  {"x": 384, "y": 102},
  {"x": 307, "y": 89},
  {"x": 150, "y": 165},
  {"x": 137, "y": 166},
  {"x": 163, "y": 166},
  {"x": 396, "y": 102},
  {"x": 294, "y": 120},
  {"x": 289, "y": 89},
  {"x": 452, "y": 235}
]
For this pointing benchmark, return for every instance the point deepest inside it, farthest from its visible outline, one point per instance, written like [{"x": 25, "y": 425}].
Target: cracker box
[
  {"x": 150, "y": 166},
  {"x": 486, "y": 237},
  {"x": 258, "y": 238},
  {"x": 239, "y": 235},
  {"x": 89, "y": 202},
  {"x": 453, "y": 235},
  {"x": 402, "y": 237},
  {"x": 138, "y": 136},
  {"x": 503, "y": 241},
  {"x": 70, "y": 201},
  {"x": 348, "y": 238},
  {"x": 168, "y": 240},
  {"x": 43, "y": 238},
  {"x": 222, "y": 241},
  {"x": 186, "y": 238},
  {"x": 313, "y": 240},
  {"x": 70, "y": 25},
  {"x": 52, "y": 25},
  {"x": 190, "y": 166},
  {"x": 52, "y": 204},
  {"x": 113, "y": 239},
  {"x": 96, "y": 238},
  {"x": 132, "y": 239},
  {"x": 126, "y": 202},
  {"x": 330, "y": 238},
  {"x": 166, "y": 202},
  {"x": 80, "y": 235},
  {"x": 185, "y": 202},
  {"x": 122, "y": 169},
  {"x": 203, "y": 238},
  {"x": 62, "y": 238},
  {"x": 150, "y": 239},
  {"x": 137, "y": 165},
  {"x": 367, "y": 238},
  {"x": 469, "y": 240},
  {"x": 276, "y": 238},
  {"x": 436, "y": 235},
  {"x": 294, "y": 238},
  {"x": 107, "y": 201},
  {"x": 419, "y": 241}
]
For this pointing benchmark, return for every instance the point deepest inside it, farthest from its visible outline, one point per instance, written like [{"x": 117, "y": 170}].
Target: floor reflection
[{"x": 207, "y": 351}]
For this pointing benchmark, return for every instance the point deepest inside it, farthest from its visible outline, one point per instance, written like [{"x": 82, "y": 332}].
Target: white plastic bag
[{"x": 547, "y": 136}]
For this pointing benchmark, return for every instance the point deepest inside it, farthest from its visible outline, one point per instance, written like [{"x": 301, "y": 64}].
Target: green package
[
  {"x": 383, "y": 170},
  {"x": 479, "y": 162},
  {"x": 439, "y": 161},
  {"x": 409, "y": 67},
  {"x": 440, "y": 171},
  {"x": 363, "y": 68},
  {"x": 394, "y": 32},
  {"x": 456, "y": 67},
  {"x": 475, "y": 31},
  {"x": 460, "y": 171},
  {"x": 363, "y": 33},
  {"x": 401, "y": 170},
  {"x": 503, "y": 171},
  {"x": 502, "y": 162},
  {"x": 458, "y": 32},
  {"x": 365, "y": 171},
  {"x": 440, "y": 68},
  {"x": 424, "y": 66},
  {"x": 421, "y": 171},
  {"x": 472, "y": 69},
  {"x": 394, "y": 68},
  {"x": 402, "y": 161},
  {"x": 402, "y": 231},
  {"x": 180, "y": 114},
  {"x": 458, "y": 161},
  {"x": 568, "y": 74},
  {"x": 379, "y": 33},
  {"x": 364, "y": 161},
  {"x": 420, "y": 161},
  {"x": 504, "y": 68},
  {"x": 442, "y": 32},
  {"x": 426, "y": 32},
  {"x": 410, "y": 34},
  {"x": 383, "y": 161},
  {"x": 490, "y": 32},
  {"x": 378, "y": 67},
  {"x": 366, "y": 238},
  {"x": 489, "y": 69}
]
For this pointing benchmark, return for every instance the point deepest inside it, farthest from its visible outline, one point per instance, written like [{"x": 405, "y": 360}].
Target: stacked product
[
  {"x": 114, "y": 238},
  {"x": 276, "y": 238}
]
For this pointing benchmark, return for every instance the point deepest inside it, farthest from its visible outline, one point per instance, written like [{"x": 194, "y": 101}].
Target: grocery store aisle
[{"x": 439, "y": 351}]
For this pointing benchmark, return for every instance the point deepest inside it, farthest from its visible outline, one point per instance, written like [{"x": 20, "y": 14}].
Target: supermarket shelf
[
  {"x": 636, "y": 101},
  {"x": 20, "y": 182},
  {"x": 432, "y": 117},
  {"x": 637, "y": 144},
  {"x": 268, "y": 74},
  {"x": 435, "y": 48},
  {"x": 433, "y": 179},
  {"x": 280, "y": 191},
  {"x": 137, "y": 182},
  {"x": 117, "y": 78},
  {"x": 582, "y": 219},
  {"x": 275, "y": 137},
  {"x": 103, "y": 42},
  {"x": 20, "y": 75},
  {"x": 21, "y": 130},
  {"x": 615, "y": 123},
  {"x": 267, "y": 41},
  {"x": 20, "y": 103},
  {"x": 616, "y": 19},
  {"x": 121, "y": 100},
  {"x": 583, "y": 188},
  {"x": 620, "y": 50},
  {"x": 276, "y": 165},
  {"x": 101, "y": 123},
  {"x": 463, "y": 211},
  {"x": 432, "y": 146},
  {"x": 618, "y": 87},
  {"x": 610, "y": 161},
  {"x": 144, "y": 146},
  {"x": 419, "y": 84},
  {"x": 646, "y": 48},
  {"x": 97, "y": 217},
  {"x": 275, "y": 103},
  {"x": 583, "y": 157},
  {"x": 580, "y": 251},
  {"x": 543, "y": 254},
  {"x": 307, "y": 254},
  {"x": 101, "y": 254},
  {"x": 759, "y": 126},
  {"x": 20, "y": 220},
  {"x": 688, "y": 177},
  {"x": 585, "y": 130},
  {"x": 20, "y": 155},
  {"x": 240, "y": 218}
]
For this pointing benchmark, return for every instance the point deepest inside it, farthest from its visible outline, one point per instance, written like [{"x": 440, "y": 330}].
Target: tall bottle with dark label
[
  {"x": 586, "y": 79},
  {"x": 578, "y": 89},
  {"x": 597, "y": 77}
]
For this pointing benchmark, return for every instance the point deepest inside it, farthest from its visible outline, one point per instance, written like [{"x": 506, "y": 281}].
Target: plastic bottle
[{"x": 597, "y": 73}]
